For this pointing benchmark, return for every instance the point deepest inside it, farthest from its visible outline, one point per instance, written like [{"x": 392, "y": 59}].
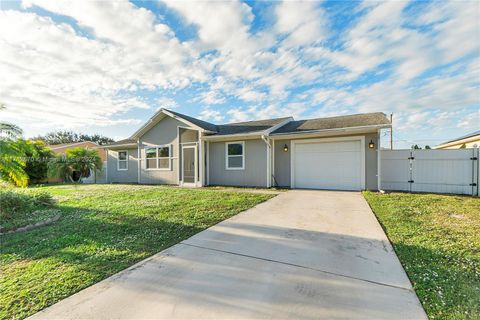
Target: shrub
[{"x": 14, "y": 202}]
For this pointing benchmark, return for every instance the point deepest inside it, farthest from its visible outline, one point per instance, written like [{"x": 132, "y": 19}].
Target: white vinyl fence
[{"x": 438, "y": 171}]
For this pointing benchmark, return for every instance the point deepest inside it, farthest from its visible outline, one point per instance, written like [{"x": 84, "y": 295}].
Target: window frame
[
  {"x": 126, "y": 160},
  {"x": 157, "y": 158},
  {"x": 227, "y": 167}
]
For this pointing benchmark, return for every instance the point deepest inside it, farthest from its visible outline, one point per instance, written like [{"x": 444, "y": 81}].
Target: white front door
[
  {"x": 189, "y": 165},
  {"x": 336, "y": 165}
]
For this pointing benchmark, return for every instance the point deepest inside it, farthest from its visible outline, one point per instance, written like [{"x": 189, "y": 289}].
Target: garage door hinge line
[{"x": 298, "y": 266}]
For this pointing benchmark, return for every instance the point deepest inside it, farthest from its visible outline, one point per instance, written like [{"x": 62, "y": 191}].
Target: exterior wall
[
  {"x": 282, "y": 161},
  {"x": 371, "y": 159},
  {"x": 122, "y": 176},
  {"x": 164, "y": 133},
  {"x": 282, "y": 164},
  {"x": 255, "y": 172}
]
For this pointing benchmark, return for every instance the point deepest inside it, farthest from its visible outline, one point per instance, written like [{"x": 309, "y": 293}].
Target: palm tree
[
  {"x": 12, "y": 164},
  {"x": 81, "y": 160},
  {"x": 12, "y": 154},
  {"x": 8, "y": 129}
]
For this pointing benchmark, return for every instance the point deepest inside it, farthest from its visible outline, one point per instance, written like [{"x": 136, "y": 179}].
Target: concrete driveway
[{"x": 302, "y": 255}]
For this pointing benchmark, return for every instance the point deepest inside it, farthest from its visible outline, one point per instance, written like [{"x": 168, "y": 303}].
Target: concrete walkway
[{"x": 302, "y": 255}]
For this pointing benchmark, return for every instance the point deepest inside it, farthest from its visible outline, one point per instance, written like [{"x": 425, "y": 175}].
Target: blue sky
[{"x": 107, "y": 66}]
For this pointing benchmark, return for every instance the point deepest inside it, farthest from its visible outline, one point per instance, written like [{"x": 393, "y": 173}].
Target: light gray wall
[
  {"x": 164, "y": 133},
  {"x": 255, "y": 172},
  {"x": 122, "y": 176},
  {"x": 282, "y": 162},
  {"x": 371, "y": 162}
]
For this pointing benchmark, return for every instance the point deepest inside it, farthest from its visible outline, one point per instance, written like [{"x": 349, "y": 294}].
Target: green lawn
[
  {"x": 103, "y": 229},
  {"x": 437, "y": 239}
]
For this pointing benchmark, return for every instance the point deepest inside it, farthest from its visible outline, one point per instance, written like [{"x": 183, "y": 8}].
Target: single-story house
[
  {"x": 471, "y": 140},
  {"x": 326, "y": 153}
]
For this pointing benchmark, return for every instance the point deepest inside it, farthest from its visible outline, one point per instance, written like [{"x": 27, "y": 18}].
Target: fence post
[
  {"x": 410, "y": 179},
  {"x": 478, "y": 170}
]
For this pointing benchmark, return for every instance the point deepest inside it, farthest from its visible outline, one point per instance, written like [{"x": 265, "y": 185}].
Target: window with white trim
[
  {"x": 122, "y": 160},
  {"x": 235, "y": 155},
  {"x": 158, "y": 157}
]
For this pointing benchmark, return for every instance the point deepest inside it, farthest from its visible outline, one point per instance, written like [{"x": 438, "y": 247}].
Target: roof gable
[{"x": 162, "y": 113}]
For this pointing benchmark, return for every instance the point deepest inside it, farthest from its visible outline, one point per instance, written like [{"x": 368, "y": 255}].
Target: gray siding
[
  {"x": 282, "y": 162},
  {"x": 255, "y": 172},
  {"x": 164, "y": 133},
  {"x": 371, "y": 162},
  {"x": 122, "y": 176}
]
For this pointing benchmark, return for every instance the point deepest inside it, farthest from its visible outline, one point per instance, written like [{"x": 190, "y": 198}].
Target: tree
[
  {"x": 84, "y": 161},
  {"x": 416, "y": 147},
  {"x": 60, "y": 137},
  {"x": 12, "y": 163},
  {"x": 38, "y": 157},
  {"x": 7, "y": 129},
  {"x": 427, "y": 147},
  {"x": 12, "y": 154}
]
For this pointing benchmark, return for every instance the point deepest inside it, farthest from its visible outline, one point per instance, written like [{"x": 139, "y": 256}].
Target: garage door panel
[{"x": 328, "y": 165}]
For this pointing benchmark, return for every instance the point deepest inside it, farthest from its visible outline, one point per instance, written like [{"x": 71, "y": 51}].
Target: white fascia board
[
  {"x": 229, "y": 137},
  {"x": 120, "y": 146}
]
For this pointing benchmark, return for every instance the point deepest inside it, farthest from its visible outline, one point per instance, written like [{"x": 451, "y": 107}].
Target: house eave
[
  {"x": 329, "y": 132},
  {"x": 229, "y": 137},
  {"x": 457, "y": 142},
  {"x": 120, "y": 146}
]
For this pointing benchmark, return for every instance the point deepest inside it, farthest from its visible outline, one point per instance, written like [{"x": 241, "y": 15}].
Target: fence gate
[{"x": 437, "y": 171}]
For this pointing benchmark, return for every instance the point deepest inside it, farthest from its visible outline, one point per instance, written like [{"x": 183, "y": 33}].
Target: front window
[
  {"x": 158, "y": 157},
  {"x": 235, "y": 157},
  {"x": 122, "y": 161}
]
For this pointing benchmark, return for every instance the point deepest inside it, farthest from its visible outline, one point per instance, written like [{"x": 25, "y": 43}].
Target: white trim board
[{"x": 361, "y": 139}]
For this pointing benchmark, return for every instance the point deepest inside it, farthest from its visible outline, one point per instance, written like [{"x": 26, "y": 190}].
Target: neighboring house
[
  {"x": 60, "y": 149},
  {"x": 471, "y": 140},
  {"x": 326, "y": 153}
]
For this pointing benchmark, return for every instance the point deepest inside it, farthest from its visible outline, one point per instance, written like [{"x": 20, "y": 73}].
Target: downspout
[
  {"x": 139, "y": 157},
  {"x": 269, "y": 147}
]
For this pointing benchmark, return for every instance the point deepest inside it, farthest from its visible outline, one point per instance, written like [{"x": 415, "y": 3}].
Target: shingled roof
[
  {"x": 355, "y": 120},
  {"x": 121, "y": 142},
  {"x": 259, "y": 126},
  {"x": 202, "y": 124},
  {"x": 248, "y": 126}
]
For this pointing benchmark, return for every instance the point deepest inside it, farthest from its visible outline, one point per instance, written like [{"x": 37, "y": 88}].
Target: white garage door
[{"x": 333, "y": 165}]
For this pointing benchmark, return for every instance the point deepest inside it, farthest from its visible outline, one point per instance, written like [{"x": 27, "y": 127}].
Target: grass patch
[
  {"x": 103, "y": 229},
  {"x": 19, "y": 207},
  {"x": 437, "y": 239}
]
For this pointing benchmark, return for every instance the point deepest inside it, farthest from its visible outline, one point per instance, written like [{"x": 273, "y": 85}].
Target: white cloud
[
  {"x": 470, "y": 121},
  {"x": 58, "y": 77},
  {"x": 208, "y": 114},
  {"x": 302, "y": 22},
  {"x": 168, "y": 103}
]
